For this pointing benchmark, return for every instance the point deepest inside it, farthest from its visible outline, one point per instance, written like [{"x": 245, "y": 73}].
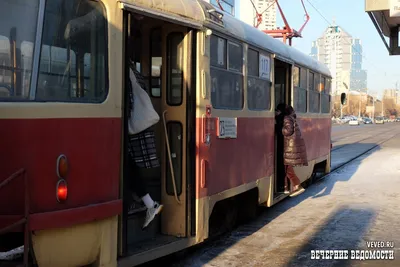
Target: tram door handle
[{"x": 170, "y": 156}]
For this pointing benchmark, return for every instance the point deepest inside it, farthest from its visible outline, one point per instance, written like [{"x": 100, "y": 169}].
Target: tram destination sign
[
  {"x": 227, "y": 128},
  {"x": 394, "y": 8}
]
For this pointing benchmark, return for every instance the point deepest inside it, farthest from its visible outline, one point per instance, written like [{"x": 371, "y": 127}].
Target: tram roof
[{"x": 201, "y": 13}]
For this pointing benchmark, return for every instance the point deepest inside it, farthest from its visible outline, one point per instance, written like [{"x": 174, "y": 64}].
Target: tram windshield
[
  {"x": 17, "y": 37},
  {"x": 73, "y": 51}
]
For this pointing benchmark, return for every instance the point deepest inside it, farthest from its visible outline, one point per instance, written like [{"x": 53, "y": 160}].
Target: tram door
[
  {"x": 282, "y": 95},
  {"x": 160, "y": 48},
  {"x": 176, "y": 61}
]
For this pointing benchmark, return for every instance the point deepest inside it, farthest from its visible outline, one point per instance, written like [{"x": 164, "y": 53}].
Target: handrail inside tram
[{"x": 170, "y": 158}]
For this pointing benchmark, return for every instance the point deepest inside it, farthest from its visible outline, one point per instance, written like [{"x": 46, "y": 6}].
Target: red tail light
[
  {"x": 62, "y": 172},
  {"x": 62, "y": 190},
  {"x": 331, "y": 146}
]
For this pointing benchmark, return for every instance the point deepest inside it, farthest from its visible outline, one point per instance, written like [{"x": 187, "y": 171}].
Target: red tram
[{"x": 215, "y": 82}]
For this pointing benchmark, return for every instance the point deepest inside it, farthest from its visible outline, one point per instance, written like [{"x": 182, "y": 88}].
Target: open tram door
[
  {"x": 176, "y": 60},
  {"x": 283, "y": 94},
  {"x": 166, "y": 60}
]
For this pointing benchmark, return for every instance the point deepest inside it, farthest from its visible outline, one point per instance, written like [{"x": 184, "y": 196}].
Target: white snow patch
[{"x": 12, "y": 254}]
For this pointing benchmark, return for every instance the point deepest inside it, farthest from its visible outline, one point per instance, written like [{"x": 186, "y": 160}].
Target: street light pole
[{"x": 341, "y": 110}]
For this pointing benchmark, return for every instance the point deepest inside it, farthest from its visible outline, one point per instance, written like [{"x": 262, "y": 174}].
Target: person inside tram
[
  {"x": 141, "y": 146},
  {"x": 279, "y": 116},
  {"x": 294, "y": 149}
]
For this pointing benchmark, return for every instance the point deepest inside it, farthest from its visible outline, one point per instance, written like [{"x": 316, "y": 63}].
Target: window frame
[
  {"x": 240, "y": 45},
  {"x": 169, "y": 69},
  {"x": 247, "y": 62},
  {"x": 311, "y": 73},
  {"x": 37, "y": 61},
  {"x": 298, "y": 76},
  {"x": 326, "y": 92},
  {"x": 258, "y": 77},
  {"x": 226, "y": 68},
  {"x": 151, "y": 77},
  {"x": 225, "y": 65},
  {"x": 314, "y": 90},
  {"x": 302, "y": 70},
  {"x": 36, "y": 41}
]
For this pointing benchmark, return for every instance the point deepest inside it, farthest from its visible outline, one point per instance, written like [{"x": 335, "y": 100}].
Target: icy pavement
[
  {"x": 356, "y": 204},
  {"x": 350, "y": 147}
]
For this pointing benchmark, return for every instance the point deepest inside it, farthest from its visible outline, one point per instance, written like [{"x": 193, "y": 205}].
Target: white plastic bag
[{"x": 143, "y": 114}]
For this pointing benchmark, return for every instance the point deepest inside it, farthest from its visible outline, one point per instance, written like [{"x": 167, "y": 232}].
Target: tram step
[
  {"x": 11, "y": 263},
  {"x": 158, "y": 241},
  {"x": 135, "y": 234}
]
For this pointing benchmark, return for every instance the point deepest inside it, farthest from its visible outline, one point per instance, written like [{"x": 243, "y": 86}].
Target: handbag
[{"x": 143, "y": 114}]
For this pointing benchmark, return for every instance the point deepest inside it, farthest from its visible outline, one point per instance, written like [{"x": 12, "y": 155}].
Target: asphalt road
[{"x": 355, "y": 204}]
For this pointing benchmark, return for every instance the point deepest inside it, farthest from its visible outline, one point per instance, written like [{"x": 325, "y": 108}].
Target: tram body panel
[
  {"x": 316, "y": 134},
  {"x": 91, "y": 137},
  {"x": 94, "y": 163},
  {"x": 236, "y": 161}
]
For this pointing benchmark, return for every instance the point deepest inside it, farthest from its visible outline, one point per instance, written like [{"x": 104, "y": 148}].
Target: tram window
[
  {"x": 296, "y": 77},
  {"x": 258, "y": 90},
  {"x": 317, "y": 83},
  {"x": 314, "y": 101},
  {"x": 258, "y": 94},
  {"x": 175, "y": 68},
  {"x": 310, "y": 81},
  {"x": 303, "y": 78},
  {"x": 328, "y": 86},
  {"x": 17, "y": 37},
  {"x": 74, "y": 44},
  {"x": 300, "y": 91},
  {"x": 235, "y": 57},
  {"x": 156, "y": 62},
  {"x": 226, "y": 89},
  {"x": 325, "y": 97},
  {"x": 314, "y": 93},
  {"x": 325, "y": 103},
  {"x": 323, "y": 84},
  {"x": 217, "y": 52},
  {"x": 300, "y": 99},
  {"x": 252, "y": 63}
]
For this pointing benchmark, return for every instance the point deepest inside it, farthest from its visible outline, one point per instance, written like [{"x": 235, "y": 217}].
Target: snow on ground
[{"x": 358, "y": 203}]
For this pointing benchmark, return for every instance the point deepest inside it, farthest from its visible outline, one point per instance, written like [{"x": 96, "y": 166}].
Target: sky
[{"x": 383, "y": 70}]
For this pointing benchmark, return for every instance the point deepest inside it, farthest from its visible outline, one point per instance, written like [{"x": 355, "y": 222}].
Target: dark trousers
[
  {"x": 136, "y": 181},
  {"x": 291, "y": 175}
]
